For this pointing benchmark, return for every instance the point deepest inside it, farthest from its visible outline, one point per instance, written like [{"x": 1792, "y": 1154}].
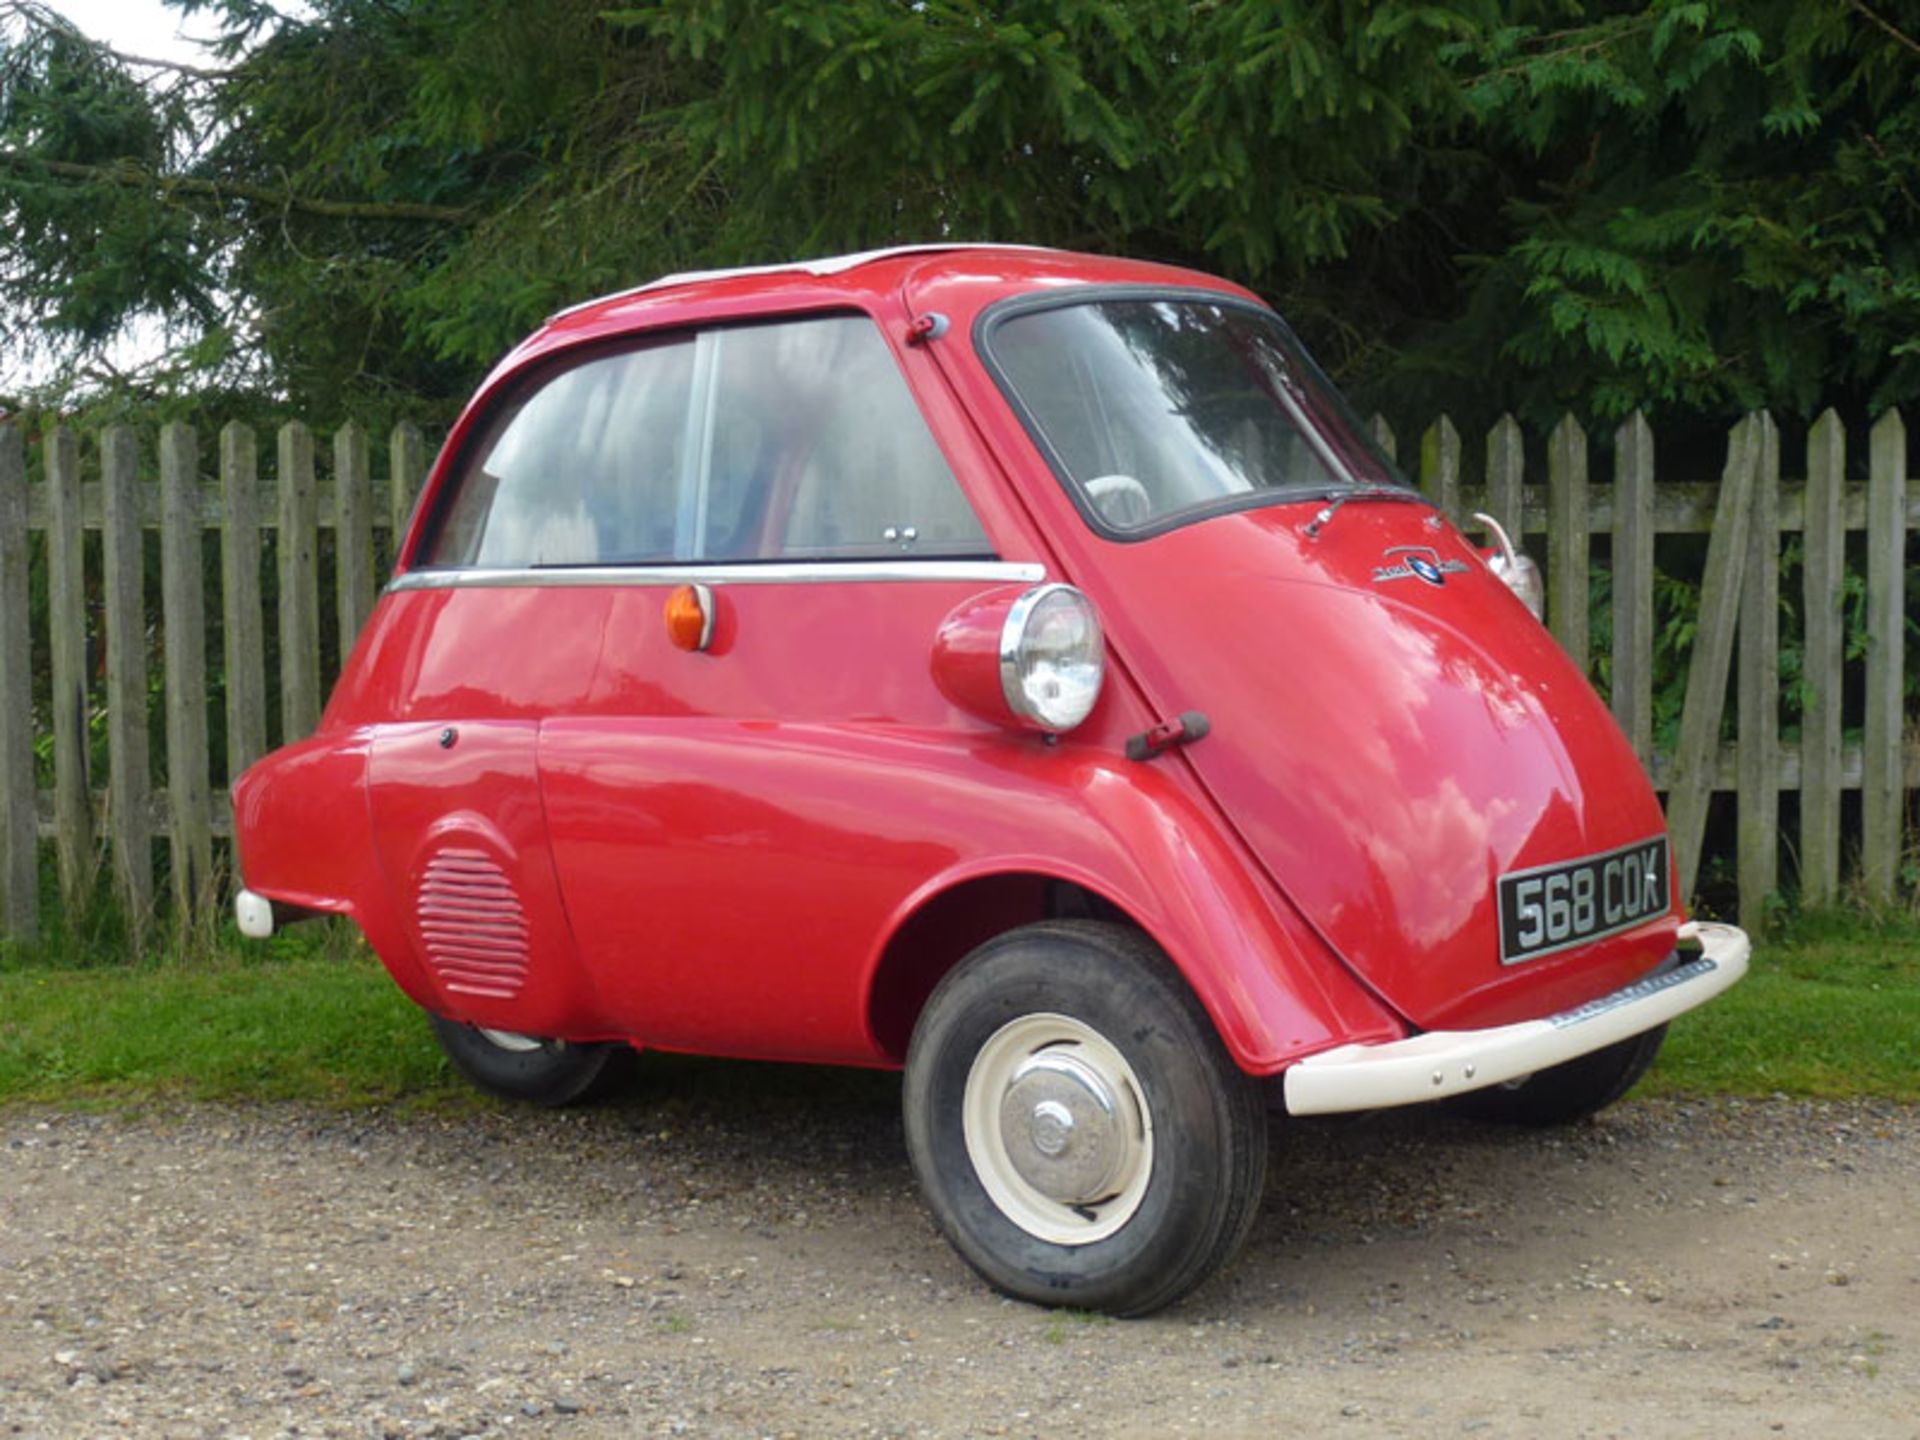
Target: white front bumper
[{"x": 1439, "y": 1063}]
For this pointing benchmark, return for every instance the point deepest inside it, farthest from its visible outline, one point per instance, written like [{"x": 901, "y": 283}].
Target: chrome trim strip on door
[{"x": 779, "y": 572}]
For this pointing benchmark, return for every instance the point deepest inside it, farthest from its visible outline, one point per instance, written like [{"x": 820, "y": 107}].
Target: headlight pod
[
  {"x": 1052, "y": 657},
  {"x": 1030, "y": 659}
]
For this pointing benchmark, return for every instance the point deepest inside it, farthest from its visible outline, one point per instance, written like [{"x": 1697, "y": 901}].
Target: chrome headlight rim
[{"x": 1013, "y": 639}]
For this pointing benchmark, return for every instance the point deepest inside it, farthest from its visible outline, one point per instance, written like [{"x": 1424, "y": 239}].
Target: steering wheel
[{"x": 1121, "y": 500}]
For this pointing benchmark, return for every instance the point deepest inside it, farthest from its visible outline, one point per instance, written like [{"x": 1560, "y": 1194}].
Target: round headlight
[{"x": 1052, "y": 657}]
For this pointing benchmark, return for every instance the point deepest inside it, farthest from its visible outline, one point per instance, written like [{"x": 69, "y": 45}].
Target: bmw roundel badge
[{"x": 1420, "y": 562}]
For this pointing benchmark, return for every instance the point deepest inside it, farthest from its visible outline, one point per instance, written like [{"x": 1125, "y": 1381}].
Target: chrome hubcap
[
  {"x": 1062, "y": 1128},
  {"x": 1057, "y": 1129}
]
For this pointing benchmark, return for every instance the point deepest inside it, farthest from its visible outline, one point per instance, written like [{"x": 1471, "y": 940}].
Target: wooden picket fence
[
  {"x": 334, "y": 535},
  {"x": 1745, "y": 516},
  {"x": 123, "y": 505}
]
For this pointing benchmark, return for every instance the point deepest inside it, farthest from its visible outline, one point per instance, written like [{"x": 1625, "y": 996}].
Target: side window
[
  {"x": 850, "y": 469},
  {"x": 796, "y": 440},
  {"x": 581, "y": 471}
]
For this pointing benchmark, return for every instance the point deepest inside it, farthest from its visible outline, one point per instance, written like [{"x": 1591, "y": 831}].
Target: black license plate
[{"x": 1555, "y": 907}]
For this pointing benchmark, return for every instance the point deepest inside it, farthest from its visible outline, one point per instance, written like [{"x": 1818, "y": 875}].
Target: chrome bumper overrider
[{"x": 1440, "y": 1063}]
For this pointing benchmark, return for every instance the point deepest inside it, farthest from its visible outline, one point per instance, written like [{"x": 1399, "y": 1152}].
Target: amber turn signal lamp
[{"x": 690, "y": 617}]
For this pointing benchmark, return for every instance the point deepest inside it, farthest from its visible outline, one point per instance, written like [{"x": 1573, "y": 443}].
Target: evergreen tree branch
[
  {"x": 178, "y": 67},
  {"x": 1866, "y": 12},
  {"x": 138, "y": 177}
]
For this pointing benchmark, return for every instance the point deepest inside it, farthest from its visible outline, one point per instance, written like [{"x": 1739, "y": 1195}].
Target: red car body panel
[
  {"x": 1389, "y": 753},
  {"x": 549, "y": 819}
]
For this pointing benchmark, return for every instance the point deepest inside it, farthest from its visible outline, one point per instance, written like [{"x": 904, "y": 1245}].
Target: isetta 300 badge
[{"x": 1011, "y": 666}]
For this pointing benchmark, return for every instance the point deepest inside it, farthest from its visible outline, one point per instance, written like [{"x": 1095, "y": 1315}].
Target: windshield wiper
[{"x": 1359, "y": 492}]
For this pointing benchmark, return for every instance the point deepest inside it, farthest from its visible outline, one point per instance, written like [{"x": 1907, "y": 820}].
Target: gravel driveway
[{"x": 739, "y": 1250}]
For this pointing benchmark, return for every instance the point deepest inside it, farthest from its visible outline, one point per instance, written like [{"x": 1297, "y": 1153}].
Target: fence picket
[
  {"x": 67, "y": 616},
  {"x": 1440, "y": 467},
  {"x": 1382, "y": 435},
  {"x": 129, "y": 773},
  {"x": 183, "y": 615},
  {"x": 1883, "y": 788},
  {"x": 1696, "y": 754},
  {"x": 1632, "y": 656},
  {"x": 245, "y": 626},
  {"x": 1567, "y": 544},
  {"x": 353, "y": 537},
  {"x": 1506, "y": 473},
  {"x": 19, "y": 826},
  {"x": 1758, "y": 685},
  {"x": 299, "y": 585},
  {"x": 407, "y": 468},
  {"x": 1820, "y": 731}
]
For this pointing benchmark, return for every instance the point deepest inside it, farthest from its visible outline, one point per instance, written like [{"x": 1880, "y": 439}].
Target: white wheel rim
[{"x": 1058, "y": 1129}]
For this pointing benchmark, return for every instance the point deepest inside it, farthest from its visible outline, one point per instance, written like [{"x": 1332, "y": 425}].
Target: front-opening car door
[{"x": 733, "y": 822}]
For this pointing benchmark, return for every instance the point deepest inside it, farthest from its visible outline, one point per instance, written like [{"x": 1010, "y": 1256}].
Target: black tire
[
  {"x": 1194, "y": 1168},
  {"x": 551, "y": 1072},
  {"x": 1567, "y": 1092}
]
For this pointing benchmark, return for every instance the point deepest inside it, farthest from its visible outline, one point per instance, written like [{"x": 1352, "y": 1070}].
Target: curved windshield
[{"x": 1154, "y": 409}]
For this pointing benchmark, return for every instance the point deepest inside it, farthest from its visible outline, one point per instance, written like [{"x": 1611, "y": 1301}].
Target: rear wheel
[
  {"x": 1081, "y": 1134},
  {"x": 523, "y": 1067},
  {"x": 1568, "y": 1092}
]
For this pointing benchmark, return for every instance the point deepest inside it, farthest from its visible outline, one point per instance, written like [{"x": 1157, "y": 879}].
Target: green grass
[
  {"x": 1831, "y": 1009},
  {"x": 319, "y": 1022}
]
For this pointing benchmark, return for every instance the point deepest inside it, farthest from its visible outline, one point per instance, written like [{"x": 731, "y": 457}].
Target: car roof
[
  {"x": 1002, "y": 269},
  {"x": 823, "y": 266},
  {"x": 951, "y": 277}
]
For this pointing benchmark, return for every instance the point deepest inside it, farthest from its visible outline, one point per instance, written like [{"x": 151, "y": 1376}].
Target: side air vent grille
[{"x": 471, "y": 921}]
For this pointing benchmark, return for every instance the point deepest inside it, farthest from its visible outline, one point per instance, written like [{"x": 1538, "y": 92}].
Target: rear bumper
[
  {"x": 254, "y": 914},
  {"x": 260, "y": 918},
  {"x": 1439, "y": 1063}
]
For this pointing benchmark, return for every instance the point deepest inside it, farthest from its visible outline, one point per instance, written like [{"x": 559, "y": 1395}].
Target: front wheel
[
  {"x": 1081, "y": 1134},
  {"x": 1570, "y": 1091},
  {"x": 522, "y": 1067}
]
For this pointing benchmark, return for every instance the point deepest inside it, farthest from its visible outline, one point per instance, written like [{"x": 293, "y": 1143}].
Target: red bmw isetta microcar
[{"x": 1013, "y": 666}]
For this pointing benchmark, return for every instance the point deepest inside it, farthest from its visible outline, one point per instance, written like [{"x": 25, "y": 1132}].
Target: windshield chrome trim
[{"x": 820, "y": 572}]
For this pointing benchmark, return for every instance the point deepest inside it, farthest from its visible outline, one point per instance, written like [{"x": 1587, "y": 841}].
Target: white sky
[{"x": 139, "y": 27}]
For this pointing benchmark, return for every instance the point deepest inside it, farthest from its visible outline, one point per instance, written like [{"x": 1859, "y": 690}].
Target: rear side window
[{"x": 796, "y": 440}]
